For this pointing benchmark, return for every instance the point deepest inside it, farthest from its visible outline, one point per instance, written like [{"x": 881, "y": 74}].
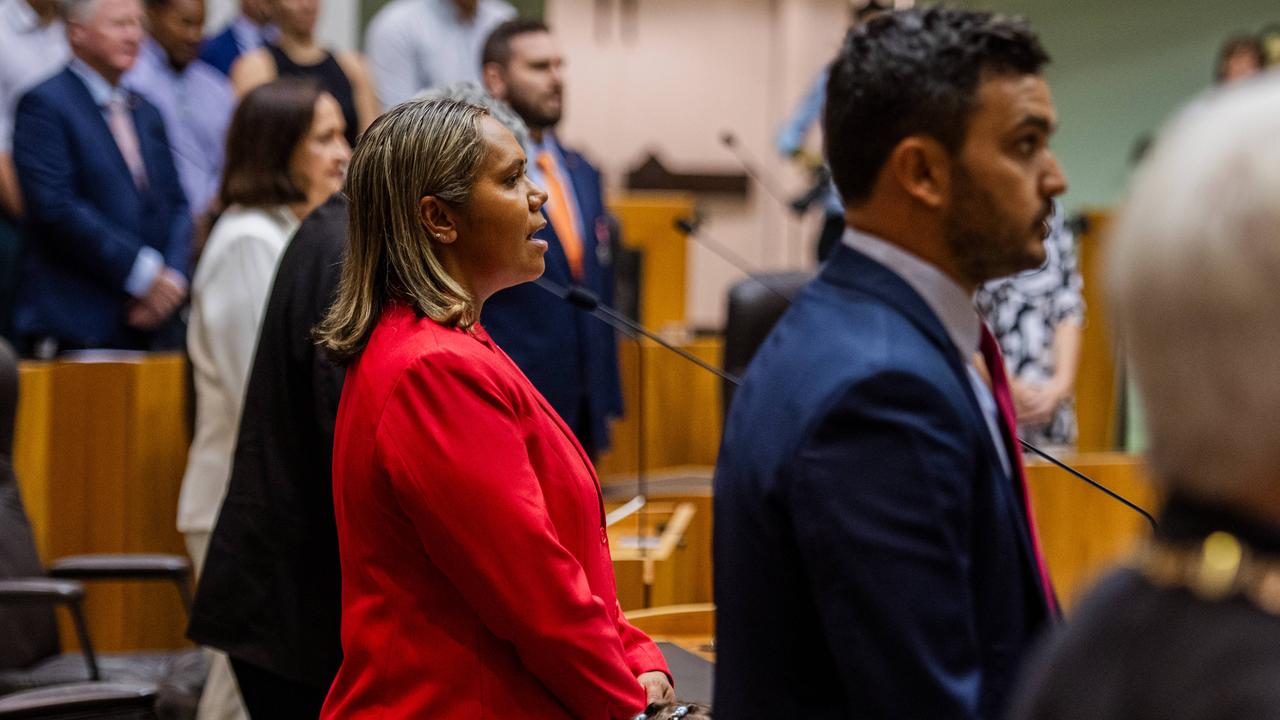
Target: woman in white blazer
[{"x": 286, "y": 154}]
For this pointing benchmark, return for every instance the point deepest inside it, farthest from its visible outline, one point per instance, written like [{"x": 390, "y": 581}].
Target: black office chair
[
  {"x": 755, "y": 304},
  {"x": 30, "y": 656}
]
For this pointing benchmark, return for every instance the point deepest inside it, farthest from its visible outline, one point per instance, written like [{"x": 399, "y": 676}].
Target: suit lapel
[
  {"x": 851, "y": 269},
  {"x": 94, "y": 119}
]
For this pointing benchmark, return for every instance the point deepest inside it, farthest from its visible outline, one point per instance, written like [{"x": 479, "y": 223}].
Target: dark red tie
[{"x": 1009, "y": 427}]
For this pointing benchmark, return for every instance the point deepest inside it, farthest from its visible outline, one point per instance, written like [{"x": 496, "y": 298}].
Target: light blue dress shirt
[
  {"x": 416, "y": 45},
  {"x": 550, "y": 145},
  {"x": 196, "y": 104}
]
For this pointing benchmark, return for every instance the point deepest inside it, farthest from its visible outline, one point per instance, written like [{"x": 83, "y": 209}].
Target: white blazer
[{"x": 228, "y": 298}]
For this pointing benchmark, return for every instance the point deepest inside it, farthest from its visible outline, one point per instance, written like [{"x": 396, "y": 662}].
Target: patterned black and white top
[{"x": 1023, "y": 310}]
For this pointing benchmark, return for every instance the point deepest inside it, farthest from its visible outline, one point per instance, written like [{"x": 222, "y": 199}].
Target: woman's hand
[{"x": 657, "y": 687}]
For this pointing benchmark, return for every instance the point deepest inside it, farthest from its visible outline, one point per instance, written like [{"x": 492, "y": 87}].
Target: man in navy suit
[
  {"x": 107, "y": 224},
  {"x": 874, "y": 553},
  {"x": 571, "y": 357},
  {"x": 249, "y": 31}
]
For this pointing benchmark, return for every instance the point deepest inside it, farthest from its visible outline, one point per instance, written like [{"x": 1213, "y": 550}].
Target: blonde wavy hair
[{"x": 419, "y": 148}]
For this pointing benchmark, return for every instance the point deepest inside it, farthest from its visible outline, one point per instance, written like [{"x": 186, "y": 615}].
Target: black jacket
[{"x": 270, "y": 592}]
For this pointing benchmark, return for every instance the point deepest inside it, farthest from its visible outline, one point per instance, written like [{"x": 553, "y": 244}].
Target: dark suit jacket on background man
[
  {"x": 86, "y": 218},
  {"x": 570, "y": 356}
]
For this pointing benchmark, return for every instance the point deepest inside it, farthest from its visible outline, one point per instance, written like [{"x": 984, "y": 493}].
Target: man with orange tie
[
  {"x": 571, "y": 357},
  {"x": 875, "y": 551}
]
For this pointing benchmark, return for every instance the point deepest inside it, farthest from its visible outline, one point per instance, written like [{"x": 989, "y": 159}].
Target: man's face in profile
[
  {"x": 534, "y": 81},
  {"x": 1004, "y": 179}
]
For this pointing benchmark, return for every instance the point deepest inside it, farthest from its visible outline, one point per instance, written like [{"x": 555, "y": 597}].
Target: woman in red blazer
[{"x": 476, "y": 578}]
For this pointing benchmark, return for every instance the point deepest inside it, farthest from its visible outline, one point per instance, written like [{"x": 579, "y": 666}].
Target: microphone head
[
  {"x": 728, "y": 138},
  {"x": 582, "y": 297},
  {"x": 687, "y": 226}
]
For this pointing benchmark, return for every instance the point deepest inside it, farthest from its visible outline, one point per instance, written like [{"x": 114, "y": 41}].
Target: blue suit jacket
[
  {"x": 570, "y": 356},
  {"x": 221, "y": 50},
  {"x": 872, "y": 558},
  {"x": 86, "y": 219}
]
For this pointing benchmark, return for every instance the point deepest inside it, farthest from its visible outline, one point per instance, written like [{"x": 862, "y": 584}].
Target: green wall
[{"x": 1120, "y": 69}]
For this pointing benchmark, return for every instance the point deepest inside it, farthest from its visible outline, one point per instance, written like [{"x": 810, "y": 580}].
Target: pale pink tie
[{"x": 121, "y": 123}]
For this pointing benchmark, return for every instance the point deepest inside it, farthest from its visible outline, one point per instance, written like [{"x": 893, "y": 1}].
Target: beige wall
[{"x": 681, "y": 73}]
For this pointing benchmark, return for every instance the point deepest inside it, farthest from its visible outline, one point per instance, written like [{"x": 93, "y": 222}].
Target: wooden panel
[
  {"x": 667, "y": 569},
  {"x": 1096, "y": 399},
  {"x": 648, "y": 222},
  {"x": 101, "y": 447},
  {"x": 1084, "y": 532},
  {"x": 31, "y": 447},
  {"x": 682, "y": 408}
]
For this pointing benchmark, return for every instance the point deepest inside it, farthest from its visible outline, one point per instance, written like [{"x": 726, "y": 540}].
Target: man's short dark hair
[
  {"x": 497, "y": 48},
  {"x": 914, "y": 72},
  {"x": 268, "y": 124}
]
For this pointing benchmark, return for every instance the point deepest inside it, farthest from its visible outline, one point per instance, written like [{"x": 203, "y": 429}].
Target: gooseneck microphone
[
  {"x": 692, "y": 229},
  {"x": 588, "y": 301},
  {"x": 1114, "y": 495},
  {"x": 730, "y": 141}
]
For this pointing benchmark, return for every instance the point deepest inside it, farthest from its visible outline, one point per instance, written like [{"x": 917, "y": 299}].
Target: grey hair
[
  {"x": 469, "y": 92},
  {"x": 1193, "y": 267},
  {"x": 76, "y": 10}
]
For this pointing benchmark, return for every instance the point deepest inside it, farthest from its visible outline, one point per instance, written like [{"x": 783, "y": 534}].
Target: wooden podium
[{"x": 99, "y": 451}]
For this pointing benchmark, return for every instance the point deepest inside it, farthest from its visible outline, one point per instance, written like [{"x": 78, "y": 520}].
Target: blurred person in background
[
  {"x": 1191, "y": 628},
  {"x": 1038, "y": 318},
  {"x": 296, "y": 53},
  {"x": 570, "y": 356},
  {"x": 250, "y": 30},
  {"x": 33, "y": 46},
  {"x": 194, "y": 98},
  {"x": 808, "y": 113},
  {"x": 1241, "y": 56},
  {"x": 472, "y": 538},
  {"x": 108, "y": 229},
  {"x": 286, "y": 154},
  {"x": 417, "y": 45}
]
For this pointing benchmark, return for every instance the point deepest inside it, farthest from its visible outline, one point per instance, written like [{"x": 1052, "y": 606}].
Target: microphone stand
[
  {"x": 744, "y": 158},
  {"x": 692, "y": 229},
  {"x": 586, "y": 300}
]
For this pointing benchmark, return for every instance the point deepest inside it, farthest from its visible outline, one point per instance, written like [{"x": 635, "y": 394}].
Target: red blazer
[{"x": 476, "y": 578}]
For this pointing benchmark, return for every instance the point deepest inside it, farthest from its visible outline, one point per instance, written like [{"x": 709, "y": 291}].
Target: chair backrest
[
  {"x": 755, "y": 304},
  {"x": 29, "y": 631}
]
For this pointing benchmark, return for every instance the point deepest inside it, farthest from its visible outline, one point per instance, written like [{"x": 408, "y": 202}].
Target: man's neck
[
  {"x": 109, "y": 74},
  {"x": 466, "y": 9},
  {"x": 927, "y": 245},
  {"x": 536, "y": 134}
]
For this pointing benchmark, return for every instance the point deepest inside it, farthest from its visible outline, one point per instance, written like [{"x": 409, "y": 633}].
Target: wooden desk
[{"x": 100, "y": 448}]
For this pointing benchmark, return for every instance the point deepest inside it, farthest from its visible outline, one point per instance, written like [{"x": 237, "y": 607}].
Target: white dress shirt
[
  {"x": 29, "y": 54},
  {"x": 953, "y": 307},
  {"x": 228, "y": 297},
  {"x": 415, "y": 45}
]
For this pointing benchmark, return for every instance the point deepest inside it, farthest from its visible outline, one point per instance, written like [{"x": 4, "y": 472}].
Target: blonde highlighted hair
[{"x": 419, "y": 148}]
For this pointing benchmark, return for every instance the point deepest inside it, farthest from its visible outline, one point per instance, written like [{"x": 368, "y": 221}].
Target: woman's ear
[{"x": 440, "y": 220}]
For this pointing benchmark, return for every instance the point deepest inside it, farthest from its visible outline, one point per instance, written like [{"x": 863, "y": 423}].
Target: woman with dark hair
[
  {"x": 296, "y": 53},
  {"x": 476, "y": 577},
  {"x": 286, "y": 154}
]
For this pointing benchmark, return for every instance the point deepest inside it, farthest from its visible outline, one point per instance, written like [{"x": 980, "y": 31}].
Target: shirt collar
[
  {"x": 944, "y": 296},
  {"x": 250, "y": 35},
  {"x": 100, "y": 90},
  {"x": 449, "y": 11}
]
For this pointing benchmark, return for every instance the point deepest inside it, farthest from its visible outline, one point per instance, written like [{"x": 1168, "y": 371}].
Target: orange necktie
[{"x": 558, "y": 213}]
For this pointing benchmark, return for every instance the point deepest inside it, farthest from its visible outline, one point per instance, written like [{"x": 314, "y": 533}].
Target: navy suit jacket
[
  {"x": 872, "y": 557},
  {"x": 570, "y": 356},
  {"x": 221, "y": 50},
  {"x": 86, "y": 219}
]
